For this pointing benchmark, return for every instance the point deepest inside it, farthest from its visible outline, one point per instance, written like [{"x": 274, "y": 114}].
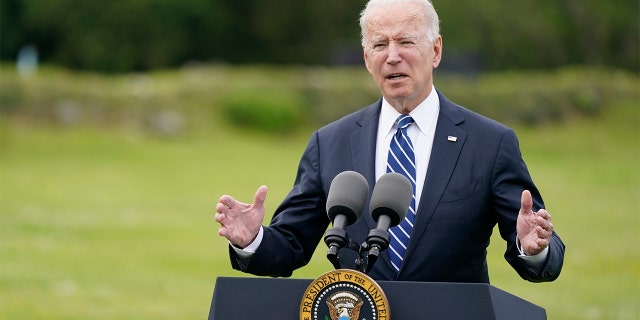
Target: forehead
[{"x": 395, "y": 20}]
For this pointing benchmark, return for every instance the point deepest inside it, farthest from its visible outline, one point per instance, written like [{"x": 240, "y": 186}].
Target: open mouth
[{"x": 396, "y": 76}]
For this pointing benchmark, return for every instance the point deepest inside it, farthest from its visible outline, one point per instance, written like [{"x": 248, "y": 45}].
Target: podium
[{"x": 236, "y": 298}]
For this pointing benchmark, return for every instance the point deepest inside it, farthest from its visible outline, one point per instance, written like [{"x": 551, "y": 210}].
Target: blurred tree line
[{"x": 137, "y": 35}]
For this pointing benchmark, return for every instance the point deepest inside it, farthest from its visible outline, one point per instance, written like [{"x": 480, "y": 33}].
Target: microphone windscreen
[
  {"x": 391, "y": 196},
  {"x": 347, "y": 195}
]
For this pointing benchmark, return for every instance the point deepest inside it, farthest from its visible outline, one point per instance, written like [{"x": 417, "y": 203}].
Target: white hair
[{"x": 432, "y": 22}]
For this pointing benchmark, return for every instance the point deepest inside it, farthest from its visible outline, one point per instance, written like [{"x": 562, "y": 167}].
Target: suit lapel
[
  {"x": 363, "y": 143},
  {"x": 447, "y": 144}
]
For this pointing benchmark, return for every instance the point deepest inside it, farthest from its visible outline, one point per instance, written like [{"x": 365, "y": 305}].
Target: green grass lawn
[{"x": 111, "y": 224}]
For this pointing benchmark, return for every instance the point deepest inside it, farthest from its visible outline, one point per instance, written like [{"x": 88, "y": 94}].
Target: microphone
[
  {"x": 346, "y": 199},
  {"x": 389, "y": 203}
]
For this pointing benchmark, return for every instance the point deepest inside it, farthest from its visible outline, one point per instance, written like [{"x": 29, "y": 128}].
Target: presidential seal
[{"x": 344, "y": 294}]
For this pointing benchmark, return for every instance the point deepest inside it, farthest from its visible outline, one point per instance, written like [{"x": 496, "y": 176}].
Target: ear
[{"x": 437, "y": 52}]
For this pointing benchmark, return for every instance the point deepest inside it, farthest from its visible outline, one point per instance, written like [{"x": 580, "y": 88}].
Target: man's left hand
[{"x": 534, "y": 228}]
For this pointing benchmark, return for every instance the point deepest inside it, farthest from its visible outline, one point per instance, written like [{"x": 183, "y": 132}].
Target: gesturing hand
[
  {"x": 534, "y": 228},
  {"x": 240, "y": 222}
]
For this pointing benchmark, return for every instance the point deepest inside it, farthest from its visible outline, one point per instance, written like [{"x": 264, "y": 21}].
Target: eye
[{"x": 379, "y": 45}]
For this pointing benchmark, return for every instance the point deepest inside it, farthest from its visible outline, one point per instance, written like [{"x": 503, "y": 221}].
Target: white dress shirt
[{"x": 421, "y": 134}]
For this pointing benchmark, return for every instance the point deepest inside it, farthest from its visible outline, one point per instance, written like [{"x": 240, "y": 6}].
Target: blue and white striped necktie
[{"x": 402, "y": 160}]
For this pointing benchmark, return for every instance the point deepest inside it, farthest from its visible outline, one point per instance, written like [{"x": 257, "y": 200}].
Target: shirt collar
[{"x": 423, "y": 115}]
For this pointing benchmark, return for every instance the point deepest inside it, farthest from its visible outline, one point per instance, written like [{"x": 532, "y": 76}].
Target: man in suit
[{"x": 469, "y": 173}]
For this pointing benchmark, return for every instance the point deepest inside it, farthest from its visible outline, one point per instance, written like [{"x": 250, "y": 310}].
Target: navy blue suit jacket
[{"x": 472, "y": 184}]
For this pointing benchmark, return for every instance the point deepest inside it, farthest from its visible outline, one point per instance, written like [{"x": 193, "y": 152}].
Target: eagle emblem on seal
[{"x": 344, "y": 306}]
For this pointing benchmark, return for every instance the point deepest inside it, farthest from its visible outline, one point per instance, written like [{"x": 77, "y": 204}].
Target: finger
[
  {"x": 260, "y": 196},
  {"x": 544, "y": 214},
  {"x": 526, "y": 202},
  {"x": 227, "y": 201},
  {"x": 223, "y": 197},
  {"x": 543, "y": 233},
  {"x": 543, "y": 243},
  {"x": 220, "y": 207},
  {"x": 222, "y": 232},
  {"x": 550, "y": 226},
  {"x": 549, "y": 229},
  {"x": 544, "y": 223}
]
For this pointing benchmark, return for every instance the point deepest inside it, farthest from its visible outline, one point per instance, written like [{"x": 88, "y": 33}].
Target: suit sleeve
[
  {"x": 296, "y": 227},
  {"x": 510, "y": 178}
]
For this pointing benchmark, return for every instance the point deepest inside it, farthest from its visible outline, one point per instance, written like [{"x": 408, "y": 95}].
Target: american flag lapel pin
[{"x": 452, "y": 138}]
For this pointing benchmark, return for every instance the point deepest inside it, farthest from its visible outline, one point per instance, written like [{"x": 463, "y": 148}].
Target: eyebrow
[
  {"x": 407, "y": 38},
  {"x": 400, "y": 38}
]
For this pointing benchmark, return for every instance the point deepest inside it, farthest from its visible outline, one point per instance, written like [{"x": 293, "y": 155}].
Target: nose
[{"x": 393, "y": 53}]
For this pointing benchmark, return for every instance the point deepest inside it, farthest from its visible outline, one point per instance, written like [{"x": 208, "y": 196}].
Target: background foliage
[
  {"x": 124, "y": 35},
  {"x": 281, "y": 99}
]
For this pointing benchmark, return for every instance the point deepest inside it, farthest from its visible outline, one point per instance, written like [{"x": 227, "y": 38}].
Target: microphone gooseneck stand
[{"x": 368, "y": 252}]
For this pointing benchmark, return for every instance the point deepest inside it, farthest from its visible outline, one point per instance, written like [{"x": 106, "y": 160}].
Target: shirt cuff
[
  {"x": 536, "y": 260},
  {"x": 249, "y": 250}
]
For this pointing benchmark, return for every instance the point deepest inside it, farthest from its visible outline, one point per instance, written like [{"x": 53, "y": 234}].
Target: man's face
[{"x": 398, "y": 54}]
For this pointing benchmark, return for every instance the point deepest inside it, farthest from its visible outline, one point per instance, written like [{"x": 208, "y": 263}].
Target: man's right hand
[{"x": 240, "y": 222}]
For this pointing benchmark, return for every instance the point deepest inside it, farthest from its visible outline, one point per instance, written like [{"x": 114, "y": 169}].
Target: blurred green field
[{"x": 97, "y": 223}]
